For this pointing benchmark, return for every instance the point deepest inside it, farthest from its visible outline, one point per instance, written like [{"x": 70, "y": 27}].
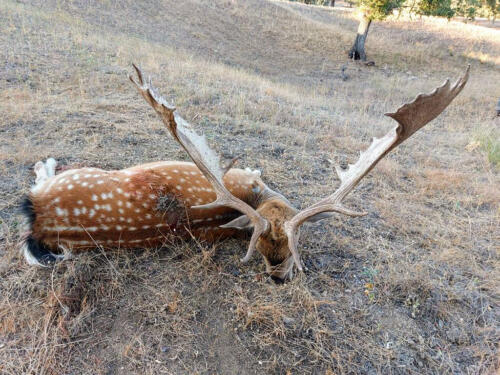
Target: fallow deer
[{"x": 142, "y": 206}]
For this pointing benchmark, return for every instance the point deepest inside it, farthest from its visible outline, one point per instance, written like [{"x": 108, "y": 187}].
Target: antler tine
[
  {"x": 410, "y": 117},
  {"x": 203, "y": 156}
]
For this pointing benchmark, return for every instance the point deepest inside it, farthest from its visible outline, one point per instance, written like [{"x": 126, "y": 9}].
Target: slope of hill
[{"x": 410, "y": 288}]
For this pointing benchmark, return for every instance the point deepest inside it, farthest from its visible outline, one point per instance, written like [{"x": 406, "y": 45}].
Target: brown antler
[
  {"x": 203, "y": 156},
  {"x": 411, "y": 117}
]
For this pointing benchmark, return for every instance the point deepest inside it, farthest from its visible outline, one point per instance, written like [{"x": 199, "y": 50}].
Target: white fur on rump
[
  {"x": 43, "y": 172},
  {"x": 30, "y": 259}
]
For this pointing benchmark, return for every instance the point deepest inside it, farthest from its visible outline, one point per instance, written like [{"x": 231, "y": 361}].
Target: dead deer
[{"x": 143, "y": 206}]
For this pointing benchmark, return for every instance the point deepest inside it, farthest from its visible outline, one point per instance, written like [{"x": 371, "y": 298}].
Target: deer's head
[{"x": 274, "y": 220}]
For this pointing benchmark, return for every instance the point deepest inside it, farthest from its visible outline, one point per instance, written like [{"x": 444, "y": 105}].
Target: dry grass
[{"x": 411, "y": 288}]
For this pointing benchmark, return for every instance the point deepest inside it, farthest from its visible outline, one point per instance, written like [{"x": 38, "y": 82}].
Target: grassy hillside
[{"x": 411, "y": 288}]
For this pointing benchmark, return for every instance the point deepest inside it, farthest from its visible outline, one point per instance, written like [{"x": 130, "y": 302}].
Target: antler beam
[{"x": 410, "y": 117}]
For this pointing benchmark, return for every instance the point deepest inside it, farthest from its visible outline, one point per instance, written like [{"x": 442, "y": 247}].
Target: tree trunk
[
  {"x": 357, "y": 51},
  {"x": 331, "y": 3}
]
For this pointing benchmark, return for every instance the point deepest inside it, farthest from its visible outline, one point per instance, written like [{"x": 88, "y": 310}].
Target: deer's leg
[
  {"x": 50, "y": 167},
  {"x": 41, "y": 172}
]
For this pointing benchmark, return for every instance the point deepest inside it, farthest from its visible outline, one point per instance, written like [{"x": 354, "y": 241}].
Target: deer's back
[{"x": 135, "y": 207}]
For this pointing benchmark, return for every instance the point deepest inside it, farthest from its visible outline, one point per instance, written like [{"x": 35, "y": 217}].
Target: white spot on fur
[
  {"x": 70, "y": 186},
  {"x": 61, "y": 212},
  {"x": 99, "y": 182},
  {"x": 76, "y": 211},
  {"x": 94, "y": 197}
]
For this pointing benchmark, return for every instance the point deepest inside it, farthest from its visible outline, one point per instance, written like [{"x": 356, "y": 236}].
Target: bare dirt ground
[{"x": 411, "y": 288}]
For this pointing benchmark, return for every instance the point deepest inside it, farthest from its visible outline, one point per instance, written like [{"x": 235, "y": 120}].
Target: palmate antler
[
  {"x": 203, "y": 156},
  {"x": 411, "y": 117}
]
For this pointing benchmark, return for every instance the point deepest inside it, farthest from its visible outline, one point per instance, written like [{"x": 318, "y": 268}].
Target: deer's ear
[{"x": 242, "y": 222}]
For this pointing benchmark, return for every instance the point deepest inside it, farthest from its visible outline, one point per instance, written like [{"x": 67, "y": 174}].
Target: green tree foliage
[
  {"x": 471, "y": 9},
  {"x": 492, "y": 8},
  {"x": 440, "y": 8},
  {"x": 378, "y": 9},
  {"x": 467, "y": 8}
]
